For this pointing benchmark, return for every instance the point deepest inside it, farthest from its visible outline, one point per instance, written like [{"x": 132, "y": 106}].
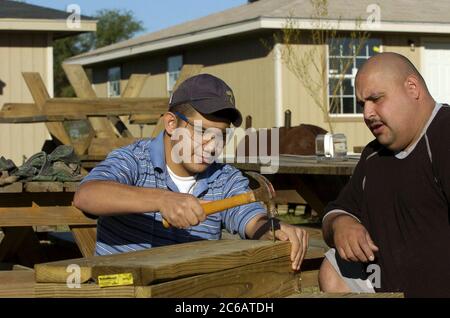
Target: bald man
[{"x": 389, "y": 228}]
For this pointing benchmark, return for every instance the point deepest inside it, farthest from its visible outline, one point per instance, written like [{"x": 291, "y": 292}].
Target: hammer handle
[{"x": 221, "y": 205}]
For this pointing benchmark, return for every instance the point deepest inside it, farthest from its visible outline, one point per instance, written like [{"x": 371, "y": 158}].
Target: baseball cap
[{"x": 207, "y": 94}]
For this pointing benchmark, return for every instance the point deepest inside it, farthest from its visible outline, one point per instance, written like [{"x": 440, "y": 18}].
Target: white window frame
[
  {"x": 110, "y": 82},
  {"x": 346, "y": 76},
  {"x": 175, "y": 73}
]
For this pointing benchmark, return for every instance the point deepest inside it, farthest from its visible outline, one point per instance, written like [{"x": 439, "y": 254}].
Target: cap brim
[{"x": 206, "y": 107}]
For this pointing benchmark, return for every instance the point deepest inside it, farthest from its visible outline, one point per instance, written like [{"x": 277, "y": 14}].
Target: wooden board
[
  {"x": 144, "y": 119},
  {"x": 290, "y": 165},
  {"x": 309, "y": 279},
  {"x": 15, "y": 187},
  {"x": 17, "y": 284},
  {"x": 288, "y": 196},
  {"x": 52, "y": 290},
  {"x": 103, "y": 146},
  {"x": 273, "y": 278},
  {"x": 135, "y": 85},
  {"x": 43, "y": 187},
  {"x": 169, "y": 262},
  {"x": 43, "y": 215},
  {"x": 40, "y": 95},
  {"x": 60, "y": 109},
  {"x": 40, "y": 187},
  {"x": 85, "y": 237}
]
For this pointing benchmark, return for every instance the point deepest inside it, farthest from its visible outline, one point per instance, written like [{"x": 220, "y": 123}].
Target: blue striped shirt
[{"x": 142, "y": 164}]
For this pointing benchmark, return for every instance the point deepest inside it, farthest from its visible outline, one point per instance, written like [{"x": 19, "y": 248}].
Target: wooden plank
[
  {"x": 15, "y": 187},
  {"x": 44, "y": 215},
  {"x": 188, "y": 70},
  {"x": 272, "y": 278},
  {"x": 37, "y": 88},
  {"x": 103, "y": 146},
  {"x": 40, "y": 95},
  {"x": 78, "y": 79},
  {"x": 309, "y": 279},
  {"x": 144, "y": 119},
  {"x": 81, "y": 146},
  {"x": 17, "y": 284},
  {"x": 18, "y": 267},
  {"x": 121, "y": 128},
  {"x": 71, "y": 186},
  {"x": 133, "y": 89},
  {"x": 83, "y": 88},
  {"x": 20, "y": 113},
  {"x": 59, "y": 109},
  {"x": 170, "y": 262},
  {"x": 74, "y": 107},
  {"x": 43, "y": 186},
  {"x": 85, "y": 237},
  {"x": 49, "y": 290},
  {"x": 288, "y": 196},
  {"x": 134, "y": 86},
  {"x": 335, "y": 169}
]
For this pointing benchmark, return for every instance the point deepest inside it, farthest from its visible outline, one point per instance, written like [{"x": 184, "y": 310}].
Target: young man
[
  {"x": 169, "y": 176},
  {"x": 394, "y": 212}
]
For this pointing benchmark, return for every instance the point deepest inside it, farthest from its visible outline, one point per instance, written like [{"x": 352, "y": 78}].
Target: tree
[
  {"x": 113, "y": 26},
  {"x": 310, "y": 66}
]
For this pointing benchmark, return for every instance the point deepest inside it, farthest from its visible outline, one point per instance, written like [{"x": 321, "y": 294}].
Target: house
[
  {"x": 27, "y": 33},
  {"x": 238, "y": 45}
]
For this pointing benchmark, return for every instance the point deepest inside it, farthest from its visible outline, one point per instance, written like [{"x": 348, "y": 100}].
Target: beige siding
[
  {"x": 247, "y": 66},
  {"x": 399, "y": 44},
  {"x": 21, "y": 52}
]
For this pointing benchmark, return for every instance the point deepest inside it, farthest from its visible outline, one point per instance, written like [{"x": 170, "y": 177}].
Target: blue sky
[{"x": 156, "y": 14}]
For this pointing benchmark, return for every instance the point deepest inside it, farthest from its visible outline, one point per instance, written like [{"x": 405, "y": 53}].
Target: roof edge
[
  {"x": 256, "y": 24},
  {"x": 193, "y": 37},
  {"x": 10, "y": 24}
]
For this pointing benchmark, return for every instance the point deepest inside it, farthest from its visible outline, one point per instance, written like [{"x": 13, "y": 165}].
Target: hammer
[{"x": 264, "y": 193}]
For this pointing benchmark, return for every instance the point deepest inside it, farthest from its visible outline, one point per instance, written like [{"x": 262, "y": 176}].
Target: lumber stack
[{"x": 225, "y": 268}]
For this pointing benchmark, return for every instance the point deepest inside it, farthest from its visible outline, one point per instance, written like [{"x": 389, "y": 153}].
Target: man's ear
[
  {"x": 413, "y": 86},
  {"x": 170, "y": 122}
]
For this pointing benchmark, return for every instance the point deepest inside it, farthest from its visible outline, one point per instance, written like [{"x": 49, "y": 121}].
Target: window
[
  {"x": 174, "y": 64},
  {"x": 343, "y": 64},
  {"x": 114, "y": 81}
]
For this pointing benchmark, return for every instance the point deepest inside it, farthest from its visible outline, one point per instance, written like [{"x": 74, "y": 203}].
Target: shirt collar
[
  {"x": 157, "y": 152},
  {"x": 404, "y": 153}
]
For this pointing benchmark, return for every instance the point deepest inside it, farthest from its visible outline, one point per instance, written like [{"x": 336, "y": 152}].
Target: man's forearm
[{"x": 112, "y": 198}]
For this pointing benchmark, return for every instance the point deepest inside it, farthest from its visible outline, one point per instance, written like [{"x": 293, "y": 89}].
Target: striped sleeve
[
  {"x": 120, "y": 166},
  {"x": 236, "y": 219}
]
